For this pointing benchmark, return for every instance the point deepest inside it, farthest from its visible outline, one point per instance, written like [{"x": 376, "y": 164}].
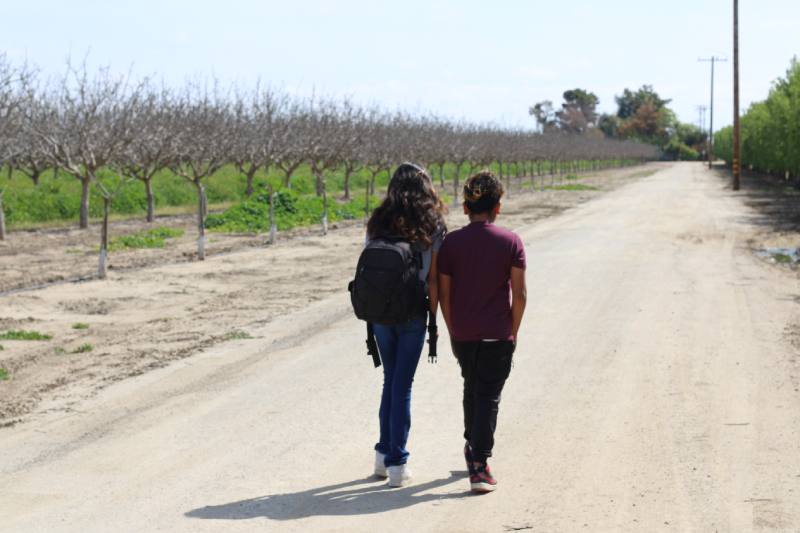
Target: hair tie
[{"x": 475, "y": 193}]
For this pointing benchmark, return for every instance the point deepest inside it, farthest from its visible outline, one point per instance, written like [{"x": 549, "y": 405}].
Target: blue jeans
[{"x": 400, "y": 347}]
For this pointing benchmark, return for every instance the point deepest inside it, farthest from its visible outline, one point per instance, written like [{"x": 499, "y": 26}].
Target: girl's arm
[{"x": 433, "y": 285}]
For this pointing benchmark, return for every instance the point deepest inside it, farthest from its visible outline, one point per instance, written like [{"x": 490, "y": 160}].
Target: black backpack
[{"x": 387, "y": 289}]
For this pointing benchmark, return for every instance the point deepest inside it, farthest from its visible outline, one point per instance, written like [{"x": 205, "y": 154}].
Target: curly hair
[
  {"x": 411, "y": 210},
  {"x": 482, "y": 192}
]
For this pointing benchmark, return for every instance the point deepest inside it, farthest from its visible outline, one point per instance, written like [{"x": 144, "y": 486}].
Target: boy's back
[{"x": 479, "y": 258}]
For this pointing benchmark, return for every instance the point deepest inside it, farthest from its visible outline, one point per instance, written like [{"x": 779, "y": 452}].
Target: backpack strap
[
  {"x": 372, "y": 346},
  {"x": 433, "y": 337}
]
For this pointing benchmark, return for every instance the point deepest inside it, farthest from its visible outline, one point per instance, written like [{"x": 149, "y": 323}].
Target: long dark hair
[{"x": 411, "y": 210}]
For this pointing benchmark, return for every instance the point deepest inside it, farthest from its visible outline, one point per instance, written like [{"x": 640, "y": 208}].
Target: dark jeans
[
  {"x": 400, "y": 348},
  {"x": 485, "y": 366}
]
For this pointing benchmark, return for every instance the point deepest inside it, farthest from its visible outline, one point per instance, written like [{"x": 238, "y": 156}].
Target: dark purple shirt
[{"x": 478, "y": 258}]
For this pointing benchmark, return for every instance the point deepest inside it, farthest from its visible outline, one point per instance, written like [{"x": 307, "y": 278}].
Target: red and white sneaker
[{"x": 482, "y": 481}]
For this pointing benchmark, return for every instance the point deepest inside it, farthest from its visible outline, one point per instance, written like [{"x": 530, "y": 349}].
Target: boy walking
[{"x": 482, "y": 295}]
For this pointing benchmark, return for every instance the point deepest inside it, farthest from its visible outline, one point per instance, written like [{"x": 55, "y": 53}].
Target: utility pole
[
  {"x": 701, "y": 117},
  {"x": 712, "y": 60},
  {"x": 737, "y": 140}
]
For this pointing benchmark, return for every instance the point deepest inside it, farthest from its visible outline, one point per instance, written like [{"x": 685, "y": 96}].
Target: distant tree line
[
  {"x": 642, "y": 115},
  {"x": 770, "y": 130},
  {"x": 85, "y": 122}
]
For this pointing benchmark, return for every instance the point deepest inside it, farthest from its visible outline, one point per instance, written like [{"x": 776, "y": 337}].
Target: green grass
[
  {"x": 238, "y": 335},
  {"x": 782, "y": 258},
  {"x": 154, "y": 238},
  {"x": 291, "y": 210},
  {"x": 58, "y": 350},
  {"x": 3, "y": 374},
  {"x": 83, "y": 348},
  {"x": 80, "y": 325},
  {"x": 1, "y": 348},
  {"x": 573, "y": 187},
  {"x": 22, "y": 335}
]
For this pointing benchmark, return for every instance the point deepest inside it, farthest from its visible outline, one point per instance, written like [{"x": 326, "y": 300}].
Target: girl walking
[{"x": 411, "y": 212}]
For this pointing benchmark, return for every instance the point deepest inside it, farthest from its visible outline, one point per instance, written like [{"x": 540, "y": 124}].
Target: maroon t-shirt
[{"x": 478, "y": 258}]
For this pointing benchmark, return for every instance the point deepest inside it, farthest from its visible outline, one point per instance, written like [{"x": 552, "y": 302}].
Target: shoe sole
[
  {"x": 482, "y": 488},
  {"x": 397, "y": 485}
]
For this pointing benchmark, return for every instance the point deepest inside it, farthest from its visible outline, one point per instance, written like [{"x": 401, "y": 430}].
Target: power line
[{"x": 713, "y": 60}]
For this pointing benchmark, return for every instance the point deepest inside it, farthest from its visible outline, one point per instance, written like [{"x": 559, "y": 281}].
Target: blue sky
[{"x": 460, "y": 58}]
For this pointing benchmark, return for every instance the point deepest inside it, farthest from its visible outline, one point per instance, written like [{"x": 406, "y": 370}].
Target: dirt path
[{"x": 656, "y": 388}]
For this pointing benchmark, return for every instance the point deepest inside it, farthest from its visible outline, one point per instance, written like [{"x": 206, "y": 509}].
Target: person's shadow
[{"x": 361, "y": 496}]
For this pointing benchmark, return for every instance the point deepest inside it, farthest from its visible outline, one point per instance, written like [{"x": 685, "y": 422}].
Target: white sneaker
[
  {"x": 380, "y": 467},
  {"x": 399, "y": 475}
]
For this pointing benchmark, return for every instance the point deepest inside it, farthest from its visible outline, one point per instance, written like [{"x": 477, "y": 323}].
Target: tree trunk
[
  {"x": 251, "y": 172},
  {"x": 366, "y": 202},
  {"x": 273, "y": 227},
  {"x": 370, "y": 190},
  {"x": 101, "y": 267},
  {"x": 455, "y": 184},
  {"x": 441, "y": 174},
  {"x": 324, "y": 192},
  {"x": 151, "y": 202},
  {"x": 347, "y": 172},
  {"x": 201, "y": 219},
  {"x": 374, "y": 179},
  {"x": 2, "y": 218},
  {"x": 84, "y": 216},
  {"x": 288, "y": 171},
  {"x": 319, "y": 186}
]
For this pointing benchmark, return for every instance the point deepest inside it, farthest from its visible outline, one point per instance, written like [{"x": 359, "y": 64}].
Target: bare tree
[
  {"x": 353, "y": 149},
  {"x": 255, "y": 146},
  {"x": 152, "y": 148},
  {"x": 83, "y": 124},
  {"x": 14, "y": 91},
  {"x": 204, "y": 142},
  {"x": 327, "y": 136},
  {"x": 289, "y": 140}
]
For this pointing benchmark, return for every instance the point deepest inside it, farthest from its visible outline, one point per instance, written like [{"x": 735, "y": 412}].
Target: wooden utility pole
[
  {"x": 737, "y": 140},
  {"x": 712, "y": 60}
]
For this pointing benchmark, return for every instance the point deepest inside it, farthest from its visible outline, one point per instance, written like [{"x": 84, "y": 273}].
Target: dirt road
[{"x": 656, "y": 388}]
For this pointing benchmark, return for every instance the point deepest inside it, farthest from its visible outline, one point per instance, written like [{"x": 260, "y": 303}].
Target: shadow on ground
[
  {"x": 776, "y": 201},
  {"x": 362, "y": 496}
]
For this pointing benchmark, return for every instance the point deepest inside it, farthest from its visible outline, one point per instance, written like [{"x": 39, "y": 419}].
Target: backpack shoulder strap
[{"x": 372, "y": 346}]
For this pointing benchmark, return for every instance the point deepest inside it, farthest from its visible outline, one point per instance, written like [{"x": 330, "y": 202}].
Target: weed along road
[{"x": 655, "y": 388}]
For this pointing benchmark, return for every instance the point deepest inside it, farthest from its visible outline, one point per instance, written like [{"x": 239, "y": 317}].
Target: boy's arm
[
  {"x": 519, "y": 296},
  {"x": 444, "y": 299}
]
